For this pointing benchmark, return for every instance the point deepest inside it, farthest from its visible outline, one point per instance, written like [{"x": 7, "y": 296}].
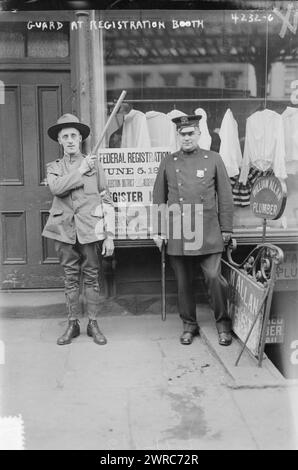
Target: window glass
[
  {"x": 17, "y": 40},
  {"x": 50, "y": 44},
  {"x": 11, "y": 44},
  {"x": 215, "y": 60},
  {"x": 281, "y": 70},
  {"x": 202, "y": 51}
]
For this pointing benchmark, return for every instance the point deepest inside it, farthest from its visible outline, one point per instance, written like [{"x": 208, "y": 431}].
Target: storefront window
[
  {"x": 242, "y": 61},
  {"x": 283, "y": 98}
]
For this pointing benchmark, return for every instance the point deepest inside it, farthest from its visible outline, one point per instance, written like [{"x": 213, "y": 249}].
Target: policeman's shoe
[
  {"x": 94, "y": 331},
  {"x": 225, "y": 338},
  {"x": 188, "y": 336},
  {"x": 72, "y": 331}
]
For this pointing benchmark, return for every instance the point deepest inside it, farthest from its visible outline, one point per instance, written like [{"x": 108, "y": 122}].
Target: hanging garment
[
  {"x": 290, "y": 122},
  {"x": 264, "y": 145},
  {"x": 230, "y": 150},
  {"x": 171, "y": 115},
  {"x": 115, "y": 129},
  {"x": 205, "y": 137},
  {"x": 215, "y": 140},
  {"x": 161, "y": 131},
  {"x": 241, "y": 192},
  {"x": 135, "y": 131},
  {"x": 115, "y": 138}
]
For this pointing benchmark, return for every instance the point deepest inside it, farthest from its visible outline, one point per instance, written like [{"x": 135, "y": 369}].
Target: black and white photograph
[{"x": 149, "y": 228}]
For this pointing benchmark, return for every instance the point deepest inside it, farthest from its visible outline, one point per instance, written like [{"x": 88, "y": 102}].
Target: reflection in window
[
  {"x": 201, "y": 79},
  {"x": 231, "y": 79},
  {"x": 291, "y": 74},
  {"x": 139, "y": 79},
  {"x": 170, "y": 79},
  {"x": 225, "y": 65},
  {"x": 111, "y": 79}
]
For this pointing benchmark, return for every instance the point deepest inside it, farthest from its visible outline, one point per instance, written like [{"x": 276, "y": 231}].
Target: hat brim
[
  {"x": 83, "y": 129},
  {"x": 186, "y": 129}
]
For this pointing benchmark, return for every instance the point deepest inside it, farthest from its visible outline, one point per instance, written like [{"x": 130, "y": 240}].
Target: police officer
[
  {"x": 80, "y": 221},
  {"x": 196, "y": 188}
]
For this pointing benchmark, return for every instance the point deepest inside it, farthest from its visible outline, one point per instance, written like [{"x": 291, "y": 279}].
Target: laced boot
[
  {"x": 94, "y": 331},
  {"x": 72, "y": 331}
]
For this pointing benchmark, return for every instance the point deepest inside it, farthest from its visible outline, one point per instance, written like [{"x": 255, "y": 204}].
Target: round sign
[{"x": 268, "y": 197}]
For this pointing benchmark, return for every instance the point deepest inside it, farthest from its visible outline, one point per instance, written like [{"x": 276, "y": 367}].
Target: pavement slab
[{"x": 143, "y": 390}]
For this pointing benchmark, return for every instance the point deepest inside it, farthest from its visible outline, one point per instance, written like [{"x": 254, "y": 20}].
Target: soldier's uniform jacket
[
  {"x": 82, "y": 207},
  {"x": 195, "y": 183}
]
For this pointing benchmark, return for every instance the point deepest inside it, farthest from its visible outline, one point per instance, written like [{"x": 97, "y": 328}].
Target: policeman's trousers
[
  {"x": 185, "y": 269},
  {"x": 76, "y": 260}
]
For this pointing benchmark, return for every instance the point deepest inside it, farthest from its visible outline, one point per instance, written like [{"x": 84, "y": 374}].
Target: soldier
[
  {"x": 80, "y": 221},
  {"x": 196, "y": 188}
]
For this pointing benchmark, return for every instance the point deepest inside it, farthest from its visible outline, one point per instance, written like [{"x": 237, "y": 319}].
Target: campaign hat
[{"x": 68, "y": 120}]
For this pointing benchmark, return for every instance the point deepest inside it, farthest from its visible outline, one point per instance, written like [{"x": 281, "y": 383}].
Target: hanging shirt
[
  {"x": 135, "y": 131},
  {"x": 171, "y": 115},
  {"x": 161, "y": 130},
  {"x": 290, "y": 122},
  {"x": 230, "y": 150},
  {"x": 205, "y": 137},
  {"x": 264, "y": 146}
]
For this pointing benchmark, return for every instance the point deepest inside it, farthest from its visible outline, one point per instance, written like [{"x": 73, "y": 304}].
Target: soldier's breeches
[{"x": 77, "y": 259}]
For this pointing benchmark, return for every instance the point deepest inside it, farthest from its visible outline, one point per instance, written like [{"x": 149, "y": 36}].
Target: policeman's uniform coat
[
  {"x": 82, "y": 208},
  {"x": 195, "y": 181}
]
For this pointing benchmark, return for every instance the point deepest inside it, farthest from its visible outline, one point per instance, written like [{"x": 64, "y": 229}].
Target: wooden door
[{"x": 33, "y": 101}]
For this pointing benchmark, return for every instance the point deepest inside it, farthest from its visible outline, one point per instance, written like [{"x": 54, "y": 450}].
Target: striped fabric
[{"x": 241, "y": 192}]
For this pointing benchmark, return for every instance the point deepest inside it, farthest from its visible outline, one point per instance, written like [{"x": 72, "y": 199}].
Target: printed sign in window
[
  {"x": 289, "y": 268},
  {"x": 275, "y": 330}
]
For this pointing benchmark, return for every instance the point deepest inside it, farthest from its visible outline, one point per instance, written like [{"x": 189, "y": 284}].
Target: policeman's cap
[{"x": 186, "y": 121}]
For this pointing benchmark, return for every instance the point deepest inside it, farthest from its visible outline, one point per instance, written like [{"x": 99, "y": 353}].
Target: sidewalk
[
  {"x": 41, "y": 305},
  {"x": 143, "y": 390}
]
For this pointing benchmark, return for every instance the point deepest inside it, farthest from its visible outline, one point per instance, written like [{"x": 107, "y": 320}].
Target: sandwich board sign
[{"x": 250, "y": 290}]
